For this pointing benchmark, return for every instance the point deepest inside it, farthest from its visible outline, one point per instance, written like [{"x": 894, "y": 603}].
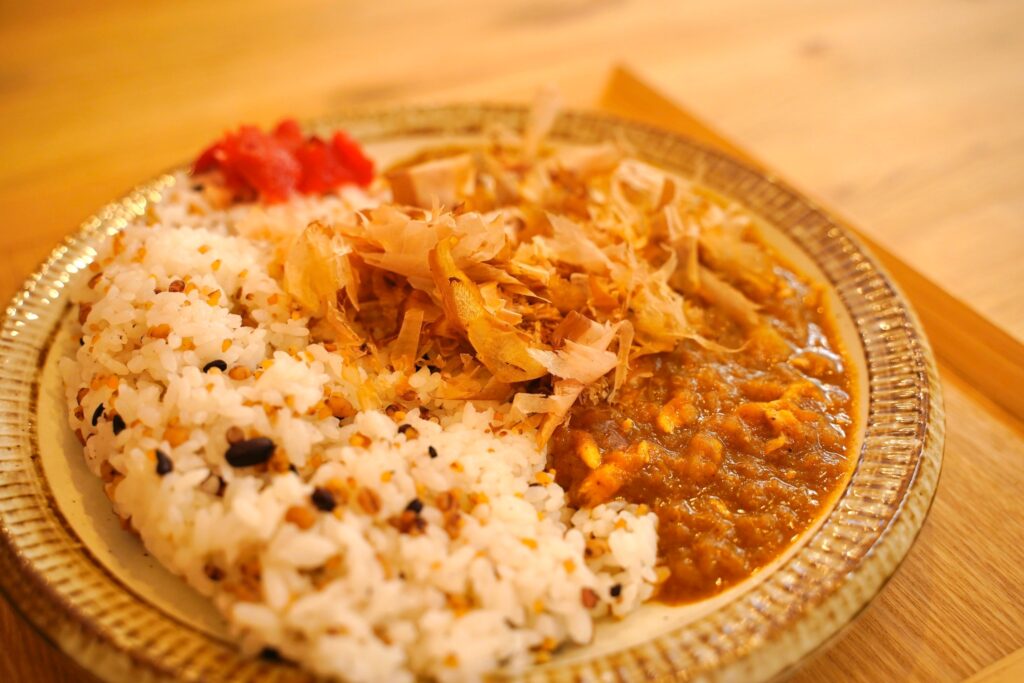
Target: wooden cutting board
[
  {"x": 955, "y": 609},
  {"x": 956, "y": 606}
]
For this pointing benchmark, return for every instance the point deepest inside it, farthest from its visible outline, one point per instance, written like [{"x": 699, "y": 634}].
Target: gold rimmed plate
[{"x": 90, "y": 587}]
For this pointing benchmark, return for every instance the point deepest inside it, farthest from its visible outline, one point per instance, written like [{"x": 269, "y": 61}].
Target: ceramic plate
[{"x": 90, "y": 587}]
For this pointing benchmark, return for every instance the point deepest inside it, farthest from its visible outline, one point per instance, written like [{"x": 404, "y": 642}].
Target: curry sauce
[{"x": 737, "y": 441}]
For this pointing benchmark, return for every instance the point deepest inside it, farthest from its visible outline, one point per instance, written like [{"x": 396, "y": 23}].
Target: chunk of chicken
[{"x": 615, "y": 470}]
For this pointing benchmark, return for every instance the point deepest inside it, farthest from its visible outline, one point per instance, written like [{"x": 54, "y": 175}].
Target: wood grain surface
[{"x": 905, "y": 116}]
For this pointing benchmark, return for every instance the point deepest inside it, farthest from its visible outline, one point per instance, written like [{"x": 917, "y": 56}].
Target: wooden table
[{"x": 905, "y": 116}]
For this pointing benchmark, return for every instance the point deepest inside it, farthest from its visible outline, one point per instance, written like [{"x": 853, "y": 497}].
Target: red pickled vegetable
[
  {"x": 273, "y": 165},
  {"x": 321, "y": 167},
  {"x": 352, "y": 156},
  {"x": 289, "y": 134}
]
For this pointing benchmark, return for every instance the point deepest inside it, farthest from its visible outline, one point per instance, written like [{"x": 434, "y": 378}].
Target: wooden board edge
[{"x": 1009, "y": 669}]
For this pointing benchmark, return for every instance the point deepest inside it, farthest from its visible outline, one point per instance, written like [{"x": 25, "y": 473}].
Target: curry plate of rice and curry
[{"x": 455, "y": 393}]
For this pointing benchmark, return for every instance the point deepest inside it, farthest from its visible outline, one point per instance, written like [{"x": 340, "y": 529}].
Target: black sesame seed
[
  {"x": 97, "y": 414},
  {"x": 415, "y": 505},
  {"x": 164, "y": 464},
  {"x": 616, "y": 590},
  {"x": 119, "y": 425},
  {"x": 323, "y": 499},
  {"x": 402, "y": 429},
  {"x": 250, "y": 452},
  {"x": 197, "y": 187},
  {"x": 219, "y": 364},
  {"x": 81, "y": 341},
  {"x": 292, "y": 468},
  {"x": 432, "y": 451},
  {"x": 270, "y": 654}
]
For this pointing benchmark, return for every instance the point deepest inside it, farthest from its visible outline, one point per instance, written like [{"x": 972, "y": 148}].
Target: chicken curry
[{"x": 637, "y": 323}]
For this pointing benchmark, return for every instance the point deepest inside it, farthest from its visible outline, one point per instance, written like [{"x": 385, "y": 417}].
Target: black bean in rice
[
  {"x": 250, "y": 452},
  {"x": 219, "y": 364},
  {"x": 270, "y": 654},
  {"x": 323, "y": 499},
  {"x": 164, "y": 465}
]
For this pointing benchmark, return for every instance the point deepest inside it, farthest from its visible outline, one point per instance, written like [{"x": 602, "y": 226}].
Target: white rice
[{"x": 350, "y": 597}]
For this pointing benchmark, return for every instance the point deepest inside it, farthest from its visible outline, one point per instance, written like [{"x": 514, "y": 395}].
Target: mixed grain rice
[{"x": 363, "y": 543}]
